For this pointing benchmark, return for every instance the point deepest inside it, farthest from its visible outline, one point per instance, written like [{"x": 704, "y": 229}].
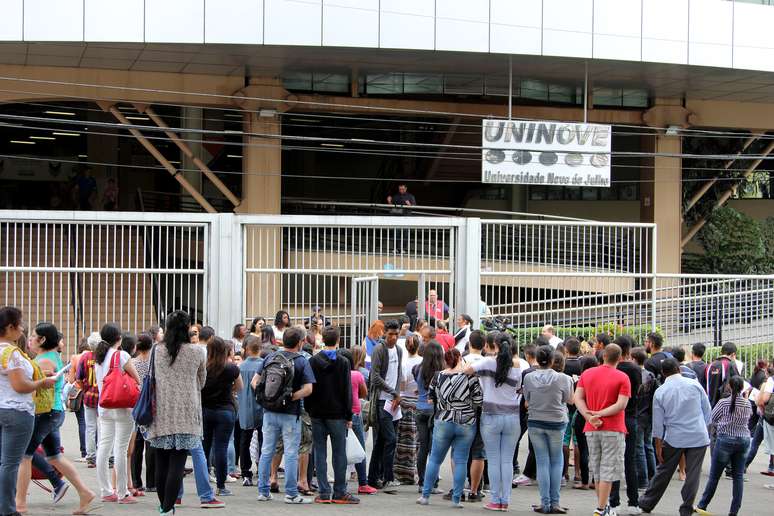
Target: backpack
[
  {"x": 718, "y": 373},
  {"x": 43, "y": 398},
  {"x": 275, "y": 390},
  {"x": 89, "y": 380},
  {"x": 768, "y": 410}
]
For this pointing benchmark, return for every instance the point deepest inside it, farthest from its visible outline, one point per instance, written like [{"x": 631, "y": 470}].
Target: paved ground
[{"x": 757, "y": 500}]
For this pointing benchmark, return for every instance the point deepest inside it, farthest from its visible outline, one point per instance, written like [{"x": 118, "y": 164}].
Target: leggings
[
  {"x": 142, "y": 447},
  {"x": 169, "y": 476}
]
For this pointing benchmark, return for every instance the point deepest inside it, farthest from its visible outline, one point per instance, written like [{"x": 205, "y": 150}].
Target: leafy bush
[{"x": 638, "y": 332}]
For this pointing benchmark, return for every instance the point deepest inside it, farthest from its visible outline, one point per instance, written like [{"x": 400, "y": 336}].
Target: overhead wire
[{"x": 336, "y": 106}]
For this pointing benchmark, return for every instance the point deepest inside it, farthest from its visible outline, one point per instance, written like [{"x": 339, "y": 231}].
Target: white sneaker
[
  {"x": 392, "y": 483},
  {"x": 631, "y": 509},
  {"x": 423, "y": 501},
  {"x": 264, "y": 498},
  {"x": 522, "y": 480},
  {"x": 230, "y": 479},
  {"x": 297, "y": 500},
  {"x": 212, "y": 479}
]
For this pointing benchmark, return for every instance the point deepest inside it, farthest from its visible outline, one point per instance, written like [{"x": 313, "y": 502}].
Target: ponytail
[
  {"x": 735, "y": 384},
  {"x": 504, "y": 358},
  {"x": 111, "y": 335}
]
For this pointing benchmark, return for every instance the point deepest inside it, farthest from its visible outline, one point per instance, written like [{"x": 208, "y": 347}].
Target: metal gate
[
  {"x": 80, "y": 272},
  {"x": 365, "y": 307},
  {"x": 298, "y": 263}
]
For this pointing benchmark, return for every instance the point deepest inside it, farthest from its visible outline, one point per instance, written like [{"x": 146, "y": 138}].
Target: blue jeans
[
  {"x": 288, "y": 426},
  {"x": 337, "y": 430},
  {"x": 500, "y": 433},
  {"x": 218, "y": 428},
  {"x": 41, "y": 464},
  {"x": 727, "y": 450},
  {"x": 357, "y": 427},
  {"x": 549, "y": 459},
  {"x": 46, "y": 434},
  {"x": 457, "y": 437},
  {"x": 15, "y": 430},
  {"x": 81, "y": 418},
  {"x": 201, "y": 475},
  {"x": 646, "y": 455}
]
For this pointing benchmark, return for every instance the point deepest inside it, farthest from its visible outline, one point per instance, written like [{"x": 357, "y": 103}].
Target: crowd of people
[{"x": 278, "y": 395}]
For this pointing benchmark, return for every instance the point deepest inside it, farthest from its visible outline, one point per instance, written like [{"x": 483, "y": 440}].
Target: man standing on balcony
[{"x": 403, "y": 198}]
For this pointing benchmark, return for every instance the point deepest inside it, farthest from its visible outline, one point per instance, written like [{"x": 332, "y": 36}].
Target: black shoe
[
  {"x": 448, "y": 496},
  {"x": 150, "y": 489},
  {"x": 475, "y": 497}
]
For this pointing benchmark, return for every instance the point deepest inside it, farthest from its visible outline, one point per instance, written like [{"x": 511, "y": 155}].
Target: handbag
[
  {"x": 145, "y": 409},
  {"x": 768, "y": 410},
  {"x": 74, "y": 399},
  {"x": 119, "y": 390},
  {"x": 355, "y": 452}
]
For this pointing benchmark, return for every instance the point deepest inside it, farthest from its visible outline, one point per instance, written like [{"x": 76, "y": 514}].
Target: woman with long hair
[
  {"x": 432, "y": 363},
  {"x": 547, "y": 394},
  {"x": 373, "y": 338},
  {"x": 405, "y": 466},
  {"x": 359, "y": 359},
  {"x": 281, "y": 323},
  {"x": 141, "y": 361},
  {"x": 257, "y": 325},
  {"x": 177, "y": 425},
  {"x": 729, "y": 417},
  {"x": 219, "y": 408},
  {"x": 19, "y": 380},
  {"x": 500, "y": 426},
  {"x": 456, "y": 397},
  {"x": 115, "y": 425}
]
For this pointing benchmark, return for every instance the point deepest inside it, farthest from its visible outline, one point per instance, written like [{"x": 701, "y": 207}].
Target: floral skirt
[
  {"x": 405, "y": 466},
  {"x": 176, "y": 442}
]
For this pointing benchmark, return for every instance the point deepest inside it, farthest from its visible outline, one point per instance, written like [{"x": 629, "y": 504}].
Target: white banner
[{"x": 545, "y": 153}]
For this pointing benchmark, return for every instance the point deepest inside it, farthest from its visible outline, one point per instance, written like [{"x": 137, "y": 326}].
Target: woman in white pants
[{"x": 115, "y": 425}]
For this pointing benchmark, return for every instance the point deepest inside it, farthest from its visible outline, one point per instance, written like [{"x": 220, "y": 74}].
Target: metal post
[
  {"x": 654, "y": 275},
  {"x": 510, "y": 87},
  {"x": 586, "y": 92}
]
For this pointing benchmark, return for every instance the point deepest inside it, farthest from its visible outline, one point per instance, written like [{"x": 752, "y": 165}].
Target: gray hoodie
[{"x": 547, "y": 393}]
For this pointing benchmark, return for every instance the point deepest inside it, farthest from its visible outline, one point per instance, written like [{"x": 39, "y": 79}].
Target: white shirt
[
  {"x": 9, "y": 398},
  {"x": 410, "y": 387},
  {"x": 555, "y": 341},
  {"x": 391, "y": 378},
  {"x": 278, "y": 334},
  {"x": 101, "y": 370},
  {"x": 472, "y": 358},
  {"x": 463, "y": 342}
]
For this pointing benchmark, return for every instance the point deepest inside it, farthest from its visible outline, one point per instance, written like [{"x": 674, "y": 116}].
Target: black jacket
[{"x": 331, "y": 396}]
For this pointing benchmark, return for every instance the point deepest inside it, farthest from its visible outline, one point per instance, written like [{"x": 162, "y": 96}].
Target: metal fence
[
  {"x": 82, "y": 269},
  {"x": 79, "y": 275}
]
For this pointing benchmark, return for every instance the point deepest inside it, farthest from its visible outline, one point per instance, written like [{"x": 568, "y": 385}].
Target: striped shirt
[
  {"x": 502, "y": 399},
  {"x": 732, "y": 425},
  {"x": 457, "y": 397}
]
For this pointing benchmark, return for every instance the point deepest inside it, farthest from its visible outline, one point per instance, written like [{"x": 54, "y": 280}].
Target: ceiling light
[
  {"x": 23, "y": 142},
  {"x": 304, "y": 120},
  {"x": 42, "y": 138},
  {"x": 230, "y": 131},
  {"x": 233, "y": 115},
  {"x": 174, "y": 162},
  {"x": 62, "y": 113},
  {"x": 673, "y": 130},
  {"x": 65, "y": 134},
  {"x": 125, "y": 108},
  {"x": 82, "y": 156},
  {"x": 331, "y": 145},
  {"x": 143, "y": 118},
  {"x": 233, "y": 155},
  {"x": 267, "y": 113}
]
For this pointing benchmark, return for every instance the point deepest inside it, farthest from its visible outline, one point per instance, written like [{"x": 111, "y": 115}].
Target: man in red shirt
[
  {"x": 601, "y": 397},
  {"x": 435, "y": 309},
  {"x": 443, "y": 337}
]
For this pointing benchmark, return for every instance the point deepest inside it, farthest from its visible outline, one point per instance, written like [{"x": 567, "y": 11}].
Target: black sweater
[{"x": 331, "y": 396}]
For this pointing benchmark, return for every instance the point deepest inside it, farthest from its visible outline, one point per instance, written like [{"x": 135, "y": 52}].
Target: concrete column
[
  {"x": 662, "y": 199},
  {"x": 262, "y": 166},
  {"x": 192, "y": 119}
]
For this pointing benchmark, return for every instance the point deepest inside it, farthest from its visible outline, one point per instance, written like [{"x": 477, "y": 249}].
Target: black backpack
[{"x": 275, "y": 390}]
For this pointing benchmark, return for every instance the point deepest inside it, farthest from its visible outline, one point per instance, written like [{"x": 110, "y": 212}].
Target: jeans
[
  {"x": 457, "y": 437},
  {"x": 81, "y": 418},
  {"x": 630, "y": 468},
  {"x": 733, "y": 451},
  {"x": 90, "y": 418},
  {"x": 218, "y": 428},
  {"x": 383, "y": 454},
  {"x": 646, "y": 455},
  {"x": 46, "y": 434},
  {"x": 549, "y": 458},
  {"x": 425, "y": 440},
  {"x": 169, "y": 476},
  {"x": 500, "y": 433},
  {"x": 357, "y": 427},
  {"x": 201, "y": 476},
  {"x": 288, "y": 426},
  {"x": 757, "y": 439},
  {"x": 15, "y": 430},
  {"x": 231, "y": 451},
  {"x": 583, "y": 446},
  {"x": 115, "y": 430},
  {"x": 337, "y": 430},
  {"x": 41, "y": 464}
]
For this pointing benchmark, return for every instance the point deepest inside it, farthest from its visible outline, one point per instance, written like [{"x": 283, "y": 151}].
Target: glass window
[
  {"x": 297, "y": 81},
  {"x": 535, "y": 90},
  {"x": 561, "y": 93},
  {"x": 497, "y": 85},
  {"x": 384, "y": 84},
  {"x": 424, "y": 84},
  {"x": 464, "y": 85},
  {"x": 330, "y": 82}
]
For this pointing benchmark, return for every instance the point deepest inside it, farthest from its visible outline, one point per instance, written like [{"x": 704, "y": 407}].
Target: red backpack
[
  {"x": 119, "y": 390},
  {"x": 88, "y": 379}
]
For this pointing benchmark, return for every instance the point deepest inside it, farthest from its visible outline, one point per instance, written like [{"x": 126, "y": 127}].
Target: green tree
[{"x": 734, "y": 243}]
